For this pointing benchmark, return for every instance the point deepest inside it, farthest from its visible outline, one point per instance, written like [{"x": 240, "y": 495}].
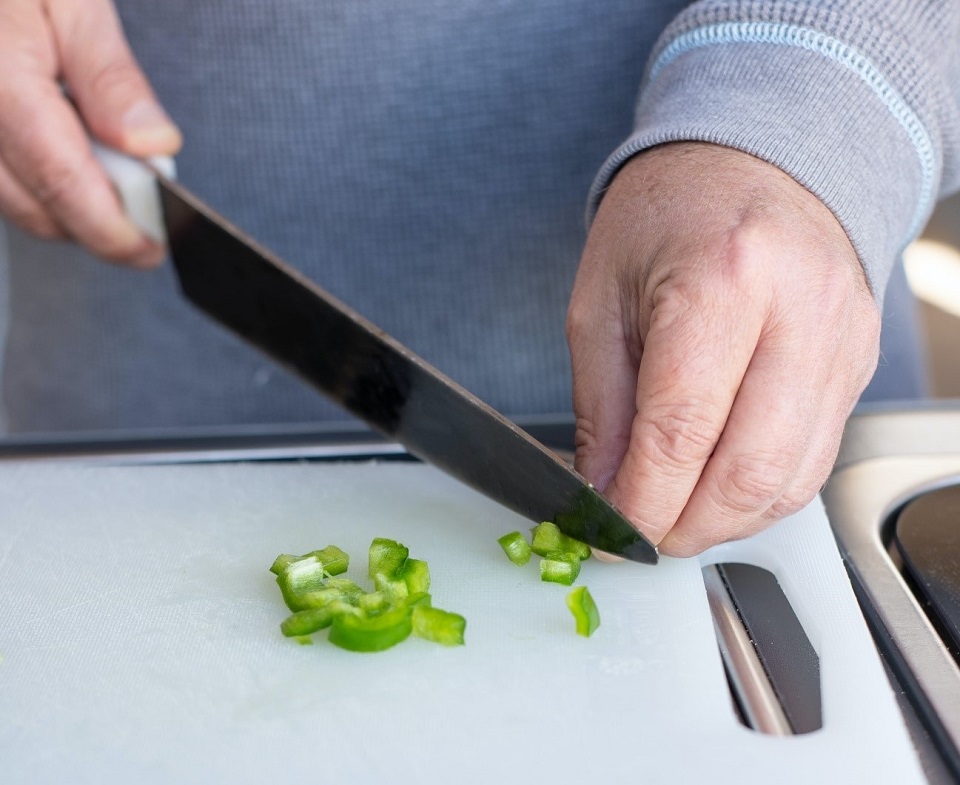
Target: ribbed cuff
[{"x": 807, "y": 103}]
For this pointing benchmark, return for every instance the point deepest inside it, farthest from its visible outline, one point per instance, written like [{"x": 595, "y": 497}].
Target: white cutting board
[{"x": 140, "y": 643}]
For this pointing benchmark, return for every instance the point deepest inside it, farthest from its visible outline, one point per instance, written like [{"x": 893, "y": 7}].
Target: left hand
[{"x": 721, "y": 330}]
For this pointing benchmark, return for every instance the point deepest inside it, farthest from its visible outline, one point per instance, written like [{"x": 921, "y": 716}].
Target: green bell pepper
[{"x": 584, "y": 610}]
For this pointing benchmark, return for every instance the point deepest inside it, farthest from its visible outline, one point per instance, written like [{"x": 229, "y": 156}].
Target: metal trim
[{"x": 859, "y": 500}]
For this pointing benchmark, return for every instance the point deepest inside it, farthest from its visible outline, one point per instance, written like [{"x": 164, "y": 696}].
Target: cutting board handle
[{"x": 136, "y": 184}]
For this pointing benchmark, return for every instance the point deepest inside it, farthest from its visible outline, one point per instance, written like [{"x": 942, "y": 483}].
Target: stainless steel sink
[{"x": 889, "y": 458}]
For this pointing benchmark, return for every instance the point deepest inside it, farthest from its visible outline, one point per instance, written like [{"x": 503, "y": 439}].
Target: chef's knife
[{"x": 253, "y": 293}]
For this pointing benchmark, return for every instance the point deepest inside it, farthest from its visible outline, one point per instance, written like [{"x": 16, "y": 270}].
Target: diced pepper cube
[
  {"x": 416, "y": 575},
  {"x": 335, "y": 561},
  {"x": 386, "y": 557},
  {"x": 420, "y": 598},
  {"x": 560, "y": 568},
  {"x": 438, "y": 626},
  {"x": 548, "y": 539},
  {"x": 350, "y": 590},
  {"x": 516, "y": 547},
  {"x": 584, "y": 610},
  {"x": 395, "y": 588},
  {"x": 307, "y": 622},
  {"x": 299, "y": 577},
  {"x": 373, "y": 602},
  {"x": 281, "y": 562}
]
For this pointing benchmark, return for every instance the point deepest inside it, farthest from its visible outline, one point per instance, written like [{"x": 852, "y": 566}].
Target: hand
[
  {"x": 721, "y": 330},
  {"x": 50, "y": 185}
]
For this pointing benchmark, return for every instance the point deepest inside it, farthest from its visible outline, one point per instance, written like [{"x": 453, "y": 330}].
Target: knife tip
[{"x": 642, "y": 551}]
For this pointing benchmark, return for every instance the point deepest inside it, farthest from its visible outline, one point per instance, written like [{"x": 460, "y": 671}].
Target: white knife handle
[{"x": 136, "y": 186}]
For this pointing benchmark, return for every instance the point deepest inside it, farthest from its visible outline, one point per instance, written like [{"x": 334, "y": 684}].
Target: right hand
[{"x": 50, "y": 183}]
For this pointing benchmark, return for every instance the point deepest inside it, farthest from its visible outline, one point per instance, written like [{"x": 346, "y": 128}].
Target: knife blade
[{"x": 271, "y": 305}]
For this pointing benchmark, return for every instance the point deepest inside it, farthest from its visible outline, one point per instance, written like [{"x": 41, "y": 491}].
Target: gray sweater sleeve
[{"x": 856, "y": 99}]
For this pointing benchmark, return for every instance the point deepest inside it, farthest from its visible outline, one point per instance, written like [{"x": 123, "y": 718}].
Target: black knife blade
[{"x": 253, "y": 293}]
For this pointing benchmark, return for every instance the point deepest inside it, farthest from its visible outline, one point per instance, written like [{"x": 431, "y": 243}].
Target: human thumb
[{"x": 110, "y": 90}]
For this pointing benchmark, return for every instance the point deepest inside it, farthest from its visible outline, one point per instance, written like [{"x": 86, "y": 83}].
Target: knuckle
[
  {"x": 792, "y": 502},
  {"x": 37, "y": 223},
  {"x": 57, "y": 183},
  {"x": 743, "y": 257},
  {"x": 28, "y": 215},
  {"x": 597, "y": 457},
  {"x": 754, "y": 482},
  {"x": 674, "y": 301},
  {"x": 802, "y": 491},
  {"x": 681, "y": 436},
  {"x": 586, "y": 433},
  {"x": 683, "y": 546},
  {"x": 121, "y": 77}
]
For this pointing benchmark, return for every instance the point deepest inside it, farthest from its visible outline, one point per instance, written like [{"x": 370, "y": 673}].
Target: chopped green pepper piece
[
  {"x": 323, "y": 597},
  {"x": 560, "y": 568},
  {"x": 309, "y": 621},
  {"x": 395, "y": 588},
  {"x": 386, "y": 557},
  {"x": 516, "y": 547},
  {"x": 584, "y": 610},
  {"x": 576, "y": 548},
  {"x": 312, "y": 600},
  {"x": 438, "y": 626},
  {"x": 373, "y": 602},
  {"x": 351, "y": 590},
  {"x": 418, "y": 599},
  {"x": 335, "y": 561},
  {"x": 416, "y": 575},
  {"x": 299, "y": 577},
  {"x": 548, "y": 539},
  {"x": 281, "y": 562},
  {"x": 374, "y": 633}
]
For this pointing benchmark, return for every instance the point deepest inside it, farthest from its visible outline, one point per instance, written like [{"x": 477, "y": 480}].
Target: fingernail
[
  {"x": 147, "y": 125},
  {"x": 603, "y": 556}
]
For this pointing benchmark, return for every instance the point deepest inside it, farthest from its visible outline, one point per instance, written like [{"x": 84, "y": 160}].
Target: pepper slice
[
  {"x": 516, "y": 547},
  {"x": 281, "y": 562},
  {"x": 373, "y": 603},
  {"x": 298, "y": 578},
  {"x": 334, "y": 589},
  {"x": 438, "y": 626},
  {"x": 548, "y": 539},
  {"x": 584, "y": 610},
  {"x": 312, "y": 620},
  {"x": 372, "y": 633},
  {"x": 560, "y": 568},
  {"x": 335, "y": 561},
  {"x": 386, "y": 557},
  {"x": 386, "y": 560},
  {"x": 416, "y": 575}
]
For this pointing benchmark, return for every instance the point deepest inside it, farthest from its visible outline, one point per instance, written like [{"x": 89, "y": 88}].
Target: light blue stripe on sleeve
[{"x": 840, "y": 52}]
